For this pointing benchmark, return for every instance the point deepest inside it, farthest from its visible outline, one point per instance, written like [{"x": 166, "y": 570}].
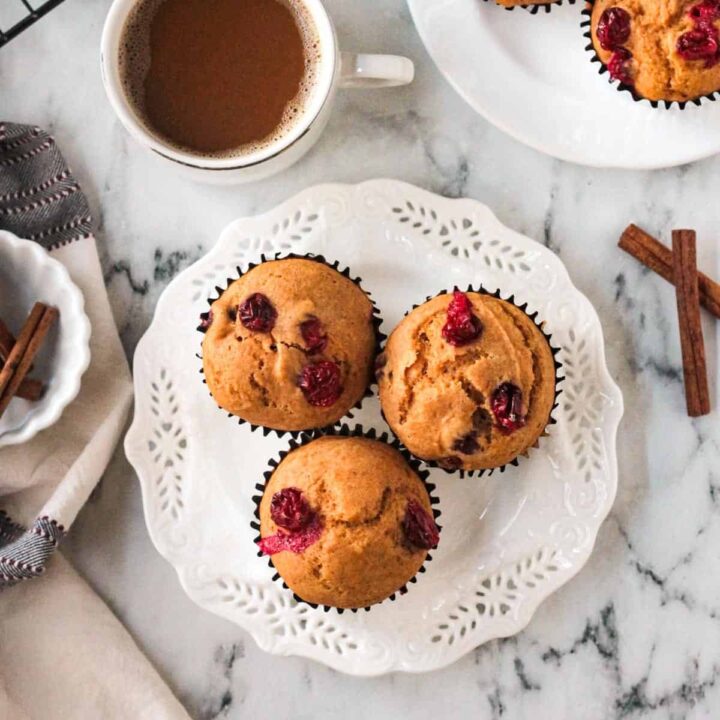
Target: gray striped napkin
[
  {"x": 39, "y": 200},
  {"x": 39, "y": 197}
]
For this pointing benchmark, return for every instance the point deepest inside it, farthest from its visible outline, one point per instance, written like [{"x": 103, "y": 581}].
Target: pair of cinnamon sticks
[
  {"x": 692, "y": 289},
  {"x": 17, "y": 355}
]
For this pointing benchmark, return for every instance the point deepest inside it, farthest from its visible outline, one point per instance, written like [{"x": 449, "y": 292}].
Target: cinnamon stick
[
  {"x": 685, "y": 274},
  {"x": 18, "y": 350},
  {"x": 29, "y": 389},
  {"x": 659, "y": 258},
  {"x": 29, "y": 341},
  {"x": 6, "y": 341}
]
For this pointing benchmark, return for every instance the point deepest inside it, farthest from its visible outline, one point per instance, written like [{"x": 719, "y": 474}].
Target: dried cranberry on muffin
[
  {"x": 347, "y": 521},
  {"x": 467, "y": 381},
  {"x": 666, "y": 51},
  {"x": 289, "y": 345}
]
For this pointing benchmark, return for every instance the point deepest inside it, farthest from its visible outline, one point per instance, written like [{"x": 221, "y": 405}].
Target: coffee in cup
[
  {"x": 219, "y": 78},
  {"x": 231, "y": 91}
]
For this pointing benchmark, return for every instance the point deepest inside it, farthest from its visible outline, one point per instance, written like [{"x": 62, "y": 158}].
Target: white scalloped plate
[
  {"x": 508, "y": 541},
  {"x": 27, "y": 274},
  {"x": 531, "y": 76}
]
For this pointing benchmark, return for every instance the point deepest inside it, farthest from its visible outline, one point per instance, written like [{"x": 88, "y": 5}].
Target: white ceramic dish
[
  {"x": 530, "y": 75},
  {"x": 28, "y": 274},
  {"x": 508, "y": 541}
]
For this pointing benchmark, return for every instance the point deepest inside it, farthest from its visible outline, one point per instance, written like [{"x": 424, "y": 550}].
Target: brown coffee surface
[{"x": 218, "y": 75}]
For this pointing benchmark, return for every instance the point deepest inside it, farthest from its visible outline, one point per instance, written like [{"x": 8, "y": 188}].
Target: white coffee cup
[{"x": 335, "y": 69}]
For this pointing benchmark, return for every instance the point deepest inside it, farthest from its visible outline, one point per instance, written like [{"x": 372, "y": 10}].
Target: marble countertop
[{"x": 637, "y": 633}]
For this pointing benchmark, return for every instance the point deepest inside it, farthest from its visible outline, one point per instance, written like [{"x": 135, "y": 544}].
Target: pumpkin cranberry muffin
[
  {"x": 665, "y": 50},
  {"x": 467, "y": 381},
  {"x": 347, "y": 521},
  {"x": 289, "y": 345}
]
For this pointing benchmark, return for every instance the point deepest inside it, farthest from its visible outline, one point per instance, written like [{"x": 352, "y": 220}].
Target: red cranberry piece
[
  {"x": 290, "y": 510},
  {"x": 700, "y": 44},
  {"x": 257, "y": 313},
  {"x": 299, "y": 525},
  {"x": 293, "y": 541},
  {"x": 705, "y": 12},
  {"x": 419, "y": 526},
  {"x": 321, "y": 383},
  {"x": 313, "y": 333},
  {"x": 620, "y": 66},
  {"x": 613, "y": 29},
  {"x": 206, "y": 320},
  {"x": 461, "y": 326},
  {"x": 506, "y": 404}
]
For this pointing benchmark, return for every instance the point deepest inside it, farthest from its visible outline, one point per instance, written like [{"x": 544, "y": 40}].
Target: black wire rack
[{"x": 19, "y": 15}]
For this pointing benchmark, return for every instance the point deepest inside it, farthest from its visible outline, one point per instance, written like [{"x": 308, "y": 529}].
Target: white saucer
[{"x": 531, "y": 76}]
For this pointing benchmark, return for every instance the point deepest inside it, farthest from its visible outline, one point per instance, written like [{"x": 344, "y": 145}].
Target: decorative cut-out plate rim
[{"x": 172, "y": 538}]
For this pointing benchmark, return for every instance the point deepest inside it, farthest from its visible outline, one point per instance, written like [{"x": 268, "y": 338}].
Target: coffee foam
[{"x": 134, "y": 63}]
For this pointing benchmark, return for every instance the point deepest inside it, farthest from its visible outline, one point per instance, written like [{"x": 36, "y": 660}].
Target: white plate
[
  {"x": 508, "y": 541},
  {"x": 531, "y": 76},
  {"x": 29, "y": 274}
]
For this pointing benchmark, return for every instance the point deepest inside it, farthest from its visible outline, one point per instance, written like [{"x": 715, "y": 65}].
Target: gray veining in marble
[{"x": 637, "y": 633}]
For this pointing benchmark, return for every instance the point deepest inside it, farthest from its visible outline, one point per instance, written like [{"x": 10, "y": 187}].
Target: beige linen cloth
[{"x": 63, "y": 654}]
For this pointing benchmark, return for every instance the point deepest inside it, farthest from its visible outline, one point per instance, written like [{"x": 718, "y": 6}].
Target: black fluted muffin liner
[
  {"x": 344, "y": 430},
  {"x": 552, "y": 420},
  {"x": 586, "y": 25},
  {"x": 376, "y": 322},
  {"x": 535, "y": 9}
]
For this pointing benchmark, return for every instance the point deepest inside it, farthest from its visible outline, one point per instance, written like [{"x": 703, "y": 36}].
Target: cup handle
[{"x": 375, "y": 71}]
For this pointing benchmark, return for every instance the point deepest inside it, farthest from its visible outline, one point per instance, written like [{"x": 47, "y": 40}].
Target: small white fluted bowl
[{"x": 28, "y": 274}]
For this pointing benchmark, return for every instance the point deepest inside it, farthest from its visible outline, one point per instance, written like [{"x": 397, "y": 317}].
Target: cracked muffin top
[
  {"x": 468, "y": 381},
  {"x": 665, "y": 49},
  {"x": 289, "y": 345},
  {"x": 347, "y": 521}
]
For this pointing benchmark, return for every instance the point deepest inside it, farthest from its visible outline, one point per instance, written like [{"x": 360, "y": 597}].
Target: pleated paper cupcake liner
[
  {"x": 552, "y": 420},
  {"x": 535, "y": 9},
  {"x": 348, "y": 432},
  {"x": 586, "y": 25},
  {"x": 376, "y": 322}
]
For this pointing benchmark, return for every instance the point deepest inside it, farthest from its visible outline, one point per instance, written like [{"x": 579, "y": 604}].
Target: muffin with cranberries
[
  {"x": 467, "y": 381},
  {"x": 289, "y": 345},
  {"x": 662, "y": 50},
  {"x": 346, "y": 521}
]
